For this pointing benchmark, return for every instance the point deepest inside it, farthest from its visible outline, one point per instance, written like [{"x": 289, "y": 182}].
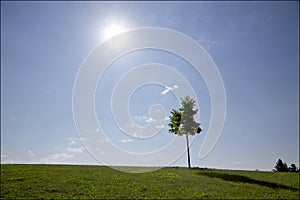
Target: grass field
[{"x": 67, "y": 181}]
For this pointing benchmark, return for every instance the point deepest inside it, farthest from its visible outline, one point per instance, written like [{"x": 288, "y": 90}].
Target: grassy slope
[{"x": 60, "y": 181}]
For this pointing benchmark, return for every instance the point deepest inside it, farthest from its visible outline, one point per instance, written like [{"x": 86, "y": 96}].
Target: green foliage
[
  {"x": 182, "y": 121},
  {"x": 175, "y": 120},
  {"x": 99, "y": 182}
]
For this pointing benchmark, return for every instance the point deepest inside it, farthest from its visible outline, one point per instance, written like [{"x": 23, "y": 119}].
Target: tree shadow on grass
[{"x": 245, "y": 179}]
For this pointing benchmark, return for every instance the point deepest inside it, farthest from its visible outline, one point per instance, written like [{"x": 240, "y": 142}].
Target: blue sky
[{"x": 255, "y": 46}]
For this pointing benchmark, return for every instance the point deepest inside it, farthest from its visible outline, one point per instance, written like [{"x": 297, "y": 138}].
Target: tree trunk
[{"x": 188, "y": 150}]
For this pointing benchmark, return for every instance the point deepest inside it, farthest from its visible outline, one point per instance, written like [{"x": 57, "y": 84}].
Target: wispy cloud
[
  {"x": 160, "y": 126},
  {"x": 148, "y": 119},
  {"x": 74, "y": 146},
  {"x": 76, "y": 139},
  {"x": 57, "y": 158},
  {"x": 30, "y": 152},
  {"x": 63, "y": 154},
  {"x": 206, "y": 42},
  {"x": 7, "y": 160},
  {"x": 168, "y": 89},
  {"x": 126, "y": 140},
  {"x": 173, "y": 22},
  {"x": 144, "y": 119},
  {"x": 75, "y": 150},
  {"x": 137, "y": 134}
]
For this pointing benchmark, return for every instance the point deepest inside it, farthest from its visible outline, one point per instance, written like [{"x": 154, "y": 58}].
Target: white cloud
[
  {"x": 63, "y": 155},
  {"x": 7, "y": 160},
  {"x": 57, "y": 158},
  {"x": 74, "y": 146},
  {"x": 136, "y": 134},
  {"x": 75, "y": 150},
  {"x": 76, "y": 139},
  {"x": 168, "y": 89},
  {"x": 148, "y": 119},
  {"x": 159, "y": 126},
  {"x": 144, "y": 119},
  {"x": 30, "y": 152},
  {"x": 126, "y": 140}
]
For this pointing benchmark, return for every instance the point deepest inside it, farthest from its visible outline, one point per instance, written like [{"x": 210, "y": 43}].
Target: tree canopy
[{"x": 182, "y": 121}]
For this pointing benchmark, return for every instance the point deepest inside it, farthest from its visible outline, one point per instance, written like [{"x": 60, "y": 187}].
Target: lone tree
[
  {"x": 182, "y": 122},
  {"x": 280, "y": 166}
]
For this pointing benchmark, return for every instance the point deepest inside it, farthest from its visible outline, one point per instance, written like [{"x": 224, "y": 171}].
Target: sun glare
[{"x": 113, "y": 30}]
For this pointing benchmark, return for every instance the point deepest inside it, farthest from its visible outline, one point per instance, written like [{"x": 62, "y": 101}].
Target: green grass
[{"x": 86, "y": 182}]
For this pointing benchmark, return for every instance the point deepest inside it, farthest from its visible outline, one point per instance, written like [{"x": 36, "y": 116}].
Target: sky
[{"x": 254, "y": 45}]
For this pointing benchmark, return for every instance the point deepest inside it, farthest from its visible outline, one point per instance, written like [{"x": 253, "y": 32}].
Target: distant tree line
[{"x": 282, "y": 167}]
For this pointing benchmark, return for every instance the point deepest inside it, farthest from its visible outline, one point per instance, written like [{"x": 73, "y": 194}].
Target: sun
[{"x": 113, "y": 30}]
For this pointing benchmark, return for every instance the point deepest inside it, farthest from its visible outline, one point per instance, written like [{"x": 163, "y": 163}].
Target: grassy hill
[{"x": 67, "y": 181}]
